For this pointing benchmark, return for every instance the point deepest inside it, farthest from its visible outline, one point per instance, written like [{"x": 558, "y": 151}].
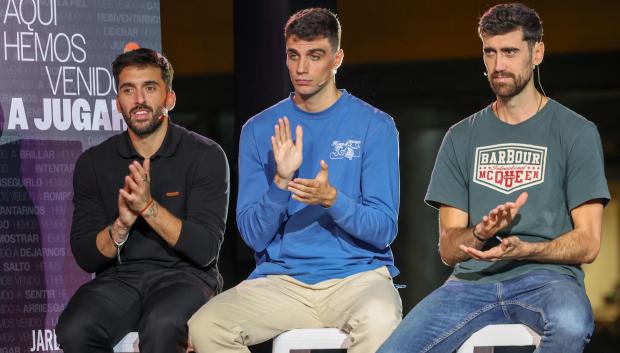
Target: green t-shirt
[{"x": 555, "y": 156}]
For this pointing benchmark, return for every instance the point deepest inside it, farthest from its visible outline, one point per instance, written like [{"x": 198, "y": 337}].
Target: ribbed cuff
[{"x": 275, "y": 195}]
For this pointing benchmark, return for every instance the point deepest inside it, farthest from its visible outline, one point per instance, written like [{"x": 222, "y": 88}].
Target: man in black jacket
[{"x": 149, "y": 215}]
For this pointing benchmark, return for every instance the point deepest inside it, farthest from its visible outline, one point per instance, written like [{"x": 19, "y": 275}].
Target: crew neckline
[
  {"x": 537, "y": 116},
  {"x": 323, "y": 114}
]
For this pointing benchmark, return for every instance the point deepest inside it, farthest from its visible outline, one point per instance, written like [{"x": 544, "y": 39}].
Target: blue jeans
[{"x": 550, "y": 303}]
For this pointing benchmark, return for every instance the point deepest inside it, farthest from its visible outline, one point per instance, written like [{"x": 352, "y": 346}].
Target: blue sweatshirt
[{"x": 313, "y": 243}]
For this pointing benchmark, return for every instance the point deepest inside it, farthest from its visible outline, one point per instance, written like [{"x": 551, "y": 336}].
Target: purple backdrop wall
[{"x": 56, "y": 100}]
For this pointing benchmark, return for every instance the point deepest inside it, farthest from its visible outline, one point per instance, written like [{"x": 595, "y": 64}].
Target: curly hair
[{"x": 505, "y": 18}]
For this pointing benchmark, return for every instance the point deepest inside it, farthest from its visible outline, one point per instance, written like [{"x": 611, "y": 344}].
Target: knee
[
  {"x": 68, "y": 330},
  {"x": 163, "y": 332},
  {"x": 571, "y": 324},
  {"x": 369, "y": 329},
  {"x": 73, "y": 331},
  {"x": 202, "y": 321},
  {"x": 377, "y": 317},
  {"x": 162, "y": 325}
]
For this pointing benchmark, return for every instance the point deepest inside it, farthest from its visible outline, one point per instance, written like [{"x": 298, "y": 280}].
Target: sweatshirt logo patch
[
  {"x": 173, "y": 193},
  {"x": 349, "y": 149},
  {"x": 509, "y": 167}
]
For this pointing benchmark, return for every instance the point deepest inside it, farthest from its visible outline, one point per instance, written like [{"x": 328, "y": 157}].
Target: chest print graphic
[
  {"x": 349, "y": 149},
  {"x": 509, "y": 167}
]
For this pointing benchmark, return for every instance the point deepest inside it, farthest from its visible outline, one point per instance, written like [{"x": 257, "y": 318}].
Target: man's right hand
[
  {"x": 499, "y": 217},
  {"x": 288, "y": 155},
  {"x": 126, "y": 217},
  {"x": 456, "y": 241}
]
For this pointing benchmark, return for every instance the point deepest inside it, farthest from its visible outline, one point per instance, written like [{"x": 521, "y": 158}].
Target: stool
[
  {"x": 310, "y": 338},
  {"x": 129, "y": 344},
  {"x": 484, "y": 340}
]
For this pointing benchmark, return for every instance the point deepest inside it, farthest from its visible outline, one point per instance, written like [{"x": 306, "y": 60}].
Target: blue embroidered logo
[{"x": 348, "y": 150}]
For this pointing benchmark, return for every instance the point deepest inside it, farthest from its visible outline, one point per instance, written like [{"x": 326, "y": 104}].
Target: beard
[
  {"x": 148, "y": 128},
  {"x": 509, "y": 89}
]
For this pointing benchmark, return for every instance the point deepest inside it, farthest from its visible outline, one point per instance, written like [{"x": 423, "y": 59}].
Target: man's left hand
[
  {"x": 510, "y": 248},
  {"x": 315, "y": 191},
  {"x": 139, "y": 182}
]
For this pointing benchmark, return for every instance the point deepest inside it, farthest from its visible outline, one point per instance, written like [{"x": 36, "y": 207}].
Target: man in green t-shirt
[{"x": 520, "y": 188}]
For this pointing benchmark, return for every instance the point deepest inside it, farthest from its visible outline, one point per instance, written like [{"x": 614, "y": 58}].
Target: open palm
[{"x": 288, "y": 155}]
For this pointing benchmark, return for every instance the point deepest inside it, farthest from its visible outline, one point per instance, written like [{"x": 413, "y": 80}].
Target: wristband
[
  {"x": 147, "y": 206},
  {"x": 118, "y": 244},
  {"x": 473, "y": 232}
]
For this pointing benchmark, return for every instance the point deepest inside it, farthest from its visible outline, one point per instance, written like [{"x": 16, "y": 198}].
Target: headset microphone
[
  {"x": 537, "y": 67},
  {"x": 164, "y": 112},
  {"x": 334, "y": 71}
]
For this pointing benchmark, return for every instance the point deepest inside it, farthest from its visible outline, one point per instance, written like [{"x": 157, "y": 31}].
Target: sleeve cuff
[
  {"x": 275, "y": 195},
  {"x": 196, "y": 244},
  {"x": 436, "y": 200},
  {"x": 185, "y": 243},
  {"x": 94, "y": 258},
  {"x": 575, "y": 202}
]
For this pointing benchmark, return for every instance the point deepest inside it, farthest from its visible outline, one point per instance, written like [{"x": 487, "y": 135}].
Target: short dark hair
[
  {"x": 142, "y": 57},
  {"x": 313, "y": 23},
  {"x": 505, "y": 18}
]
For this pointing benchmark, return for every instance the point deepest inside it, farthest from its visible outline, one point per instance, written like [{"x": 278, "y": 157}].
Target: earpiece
[{"x": 164, "y": 112}]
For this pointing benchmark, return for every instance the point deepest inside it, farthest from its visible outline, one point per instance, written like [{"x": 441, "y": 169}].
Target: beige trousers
[{"x": 365, "y": 305}]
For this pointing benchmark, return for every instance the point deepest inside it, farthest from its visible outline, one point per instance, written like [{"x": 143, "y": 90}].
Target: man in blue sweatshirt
[{"x": 318, "y": 206}]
